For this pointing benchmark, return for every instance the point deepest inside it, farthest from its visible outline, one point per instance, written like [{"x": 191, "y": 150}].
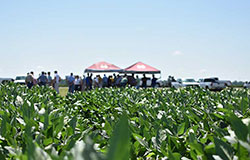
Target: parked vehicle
[
  {"x": 165, "y": 83},
  {"x": 20, "y": 79},
  {"x": 200, "y": 80},
  {"x": 161, "y": 83},
  {"x": 246, "y": 85},
  {"x": 179, "y": 80},
  {"x": 227, "y": 83},
  {"x": 4, "y": 80},
  {"x": 212, "y": 84},
  {"x": 190, "y": 83},
  {"x": 176, "y": 85}
]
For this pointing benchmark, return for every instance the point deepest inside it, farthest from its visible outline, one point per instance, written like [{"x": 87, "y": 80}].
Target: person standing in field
[
  {"x": 71, "y": 81},
  {"x": 34, "y": 79},
  {"x": 112, "y": 80},
  {"x": 131, "y": 80},
  {"x": 109, "y": 81},
  {"x": 89, "y": 81},
  {"x": 49, "y": 79},
  {"x": 96, "y": 84},
  {"x": 153, "y": 83},
  {"x": 42, "y": 79},
  {"x": 56, "y": 81},
  {"x": 124, "y": 81},
  {"x": 138, "y": 81},
  {"x": 83, "y": 83},
  {"x": 29, "y": 81},
  {"x": 144, "y": 81},
  {"x": 104, "y": 81},
  {"x": 77, "y": 83},
  {"x": 118, "y": 81},
  {"x": 99, "y": 81},
  {"x": 115, "y": 78}
]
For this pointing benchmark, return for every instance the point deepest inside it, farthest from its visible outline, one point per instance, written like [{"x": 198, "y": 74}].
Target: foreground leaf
[{"x": 119, "y": 148}]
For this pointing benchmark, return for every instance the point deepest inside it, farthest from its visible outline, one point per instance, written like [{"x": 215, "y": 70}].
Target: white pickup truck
[
  {"x": 20, "y": 79},
  {"x": 165, "y": 83},
  {"x": 226, "y": 82},
  {"x": 212, "y": 84},
  {"x": 190, "y": 83}
]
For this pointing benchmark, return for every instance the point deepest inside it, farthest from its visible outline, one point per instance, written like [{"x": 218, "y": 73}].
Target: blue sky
[{"x": 184, "y": 38}]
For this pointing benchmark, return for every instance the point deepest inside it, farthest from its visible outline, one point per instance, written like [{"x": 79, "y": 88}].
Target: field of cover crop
[{"x": 124, "y": 123}]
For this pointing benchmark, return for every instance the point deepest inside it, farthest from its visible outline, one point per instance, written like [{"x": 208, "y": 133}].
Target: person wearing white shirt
[
  {"x": 56, "y": 80},
  {"x": 77, "y": 83}
]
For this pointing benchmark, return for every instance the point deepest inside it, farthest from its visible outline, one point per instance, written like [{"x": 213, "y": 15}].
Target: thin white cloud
[{"x": 177, "y": 53}]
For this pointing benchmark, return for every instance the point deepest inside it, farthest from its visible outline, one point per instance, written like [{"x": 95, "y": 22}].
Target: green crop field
[{"x": 124, "y": 123}]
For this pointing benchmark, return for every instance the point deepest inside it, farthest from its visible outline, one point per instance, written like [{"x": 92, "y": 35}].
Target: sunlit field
[{"x": 122, "y": 123}]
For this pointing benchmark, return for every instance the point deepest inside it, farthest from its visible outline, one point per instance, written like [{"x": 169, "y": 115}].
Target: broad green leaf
[
  {"x": 238, "y": 127},
  {"x": 47, "y": 141},
  {"x": 174, "y": 156},
  {"x": 59, "y": 125},
  {"x": 119, "y": 146},
  {"x": 223, "y": 149},
  {"x": 242, "y": 151},
  {"x": 197, "y": 147},
  {"x": 72, "y": 123},
  {"x": 210, "y": 149},
  {"x": 181, "y": 129}
]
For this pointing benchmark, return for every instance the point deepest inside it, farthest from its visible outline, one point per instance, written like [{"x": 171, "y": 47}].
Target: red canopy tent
[
  {"x": 140, "y": 67},
  {"x": 103, "y": 67}
]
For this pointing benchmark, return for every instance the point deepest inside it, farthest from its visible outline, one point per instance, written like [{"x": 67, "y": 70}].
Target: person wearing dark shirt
[
  {"x": 153, "y": 84},
  {"x": 43, "y": 80},
  {"x": 144, "y": 81},
  {"x": 118, "y": 81},
  {"x": 132, "y": 80},
  {"x": 49, "y": 79},
  {"x": 29, "y": 80},
  {"x": 124, "y": 81},
  {"x": 105, "y": 81},
  {"x": 89, "y": 81},
  {"x": 115, "y": 78},
  {"x": 70, "y": 81},
  {"x": 109, "y": 81}
]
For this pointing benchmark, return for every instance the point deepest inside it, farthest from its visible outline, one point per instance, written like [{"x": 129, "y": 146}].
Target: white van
[{"x": 20, "y": 79}]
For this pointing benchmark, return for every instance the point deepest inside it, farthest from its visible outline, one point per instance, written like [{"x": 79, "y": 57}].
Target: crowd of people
[
  {"x": 77, "y": 83},
  {"x": 43, "y": 79}
]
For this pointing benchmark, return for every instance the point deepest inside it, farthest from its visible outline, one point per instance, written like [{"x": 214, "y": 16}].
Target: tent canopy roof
[
  {"x": 103, "y": 67},
  {"x": 140, "y": 67}
]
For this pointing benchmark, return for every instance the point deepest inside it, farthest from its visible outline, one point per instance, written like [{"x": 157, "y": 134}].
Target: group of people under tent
[
  {"x": 88, "y": 82},
  {"x": 77, "y": 83}
]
